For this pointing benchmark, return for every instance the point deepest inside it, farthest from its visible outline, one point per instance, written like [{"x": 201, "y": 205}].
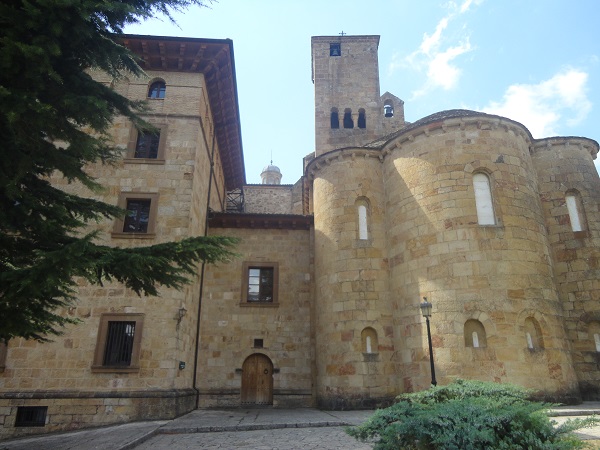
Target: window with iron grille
[
  {"x": 119, "y": 343},
  {"x": 260, "y": 283},
  {"x": 31, "y": 416},
  {"x": 138, "y": 215},
  {"x": 147, "y": 145}
]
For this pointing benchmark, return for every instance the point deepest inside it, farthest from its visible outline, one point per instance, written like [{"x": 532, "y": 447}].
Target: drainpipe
[{"x": 210, "y": 179}]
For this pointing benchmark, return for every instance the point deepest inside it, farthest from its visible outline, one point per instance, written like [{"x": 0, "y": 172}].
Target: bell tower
[{"x": 348, "y": 108}]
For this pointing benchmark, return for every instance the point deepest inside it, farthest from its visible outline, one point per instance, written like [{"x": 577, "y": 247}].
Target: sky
[{"x": 533, "y": 61}]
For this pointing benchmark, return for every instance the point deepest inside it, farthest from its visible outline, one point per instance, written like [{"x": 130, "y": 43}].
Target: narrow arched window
[
  {"x": 475, "y": 334},
  {"x": 348, "y": 121},
  {"x": 362, "y": 118},
  {"x": 533, "y": 334},
  {"x": 368, "y": 338},
  {"x": 388, "y": 109},
  {"x": 483, "y": 199},
  {"x": 363, "y": 232},
  {"x": 157, "y": 89},
  {"x": 575, "y": 208},
  {"x": 335, "y": 118}
]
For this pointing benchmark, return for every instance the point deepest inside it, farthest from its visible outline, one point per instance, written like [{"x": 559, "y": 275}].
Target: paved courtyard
[{"x": 256, "y": 429}]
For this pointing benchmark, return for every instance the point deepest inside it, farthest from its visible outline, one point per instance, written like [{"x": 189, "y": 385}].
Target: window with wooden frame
[
  {"x": 147, "y": 146},
  {"x": 119, "y": 342},
  {"x": 140, "y": 217},
  {"x": 157, "y": 89},
  {"x": 260, "y": 283}
]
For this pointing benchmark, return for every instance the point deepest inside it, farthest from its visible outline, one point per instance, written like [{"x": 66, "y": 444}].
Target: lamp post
[{"x": 426, "y": 310}]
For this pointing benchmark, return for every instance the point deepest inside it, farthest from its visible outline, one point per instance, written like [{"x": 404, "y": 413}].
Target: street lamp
[{"x": 426, "y": 310}]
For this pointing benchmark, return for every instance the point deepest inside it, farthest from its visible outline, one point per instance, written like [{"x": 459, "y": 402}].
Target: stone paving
[{"x": 258, "y": 429}]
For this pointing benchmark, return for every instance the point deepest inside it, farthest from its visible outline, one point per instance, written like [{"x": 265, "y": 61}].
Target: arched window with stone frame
[
  {"x": 575, "y": 210},
  {"x": 369, "y": 341},
  {"x": 474, "y": 333},
  {"x": 483, "y": 199}
]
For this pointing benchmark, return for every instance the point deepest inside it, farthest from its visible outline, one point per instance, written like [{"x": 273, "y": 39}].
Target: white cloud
[
  {"x": 545, "y": 106},
  {"x": 434, "y": 57}
]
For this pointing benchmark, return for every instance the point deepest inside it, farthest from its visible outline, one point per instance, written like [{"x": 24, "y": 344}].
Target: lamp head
[{"x": 425, "y": 307}]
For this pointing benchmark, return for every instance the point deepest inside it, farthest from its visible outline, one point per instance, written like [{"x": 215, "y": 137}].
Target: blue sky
[{"x": 534, "y": 61}]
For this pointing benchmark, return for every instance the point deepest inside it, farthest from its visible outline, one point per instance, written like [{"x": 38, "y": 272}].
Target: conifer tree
[{"x": 54, "y": 120}]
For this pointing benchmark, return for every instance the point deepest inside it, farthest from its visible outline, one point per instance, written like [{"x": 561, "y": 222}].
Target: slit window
[
  {"x": 483, "y": 199},
  {"x": 575, "y": 209}
]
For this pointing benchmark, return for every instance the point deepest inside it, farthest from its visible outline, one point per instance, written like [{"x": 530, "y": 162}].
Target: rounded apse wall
[
  {"x": 353, "y": 317},
  {"x": 479, "y": 254}
]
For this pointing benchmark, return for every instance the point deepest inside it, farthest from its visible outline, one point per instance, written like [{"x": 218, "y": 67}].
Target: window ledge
[
  {"x": 109, "y": 369},
  {"x": 155, "y": 98},
  {"x": 144, "y": 161},
  {"x": 122, "y": 235},
  {"x": 261, "y": 304}
]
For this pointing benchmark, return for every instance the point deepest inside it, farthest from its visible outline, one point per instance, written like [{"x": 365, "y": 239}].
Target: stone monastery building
[{"x": 500, "y": 231}]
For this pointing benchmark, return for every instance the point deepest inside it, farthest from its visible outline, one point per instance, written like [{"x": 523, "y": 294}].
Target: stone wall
[
  {"x": 229, "y": 326},
  {"x": 268, "y": 198},
  {"x": 59, "y": 374},
  {"x": 565, "y": 166}
]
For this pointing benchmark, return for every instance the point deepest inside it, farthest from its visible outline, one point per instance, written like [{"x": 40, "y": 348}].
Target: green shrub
[{"x": 468, "y": 415}]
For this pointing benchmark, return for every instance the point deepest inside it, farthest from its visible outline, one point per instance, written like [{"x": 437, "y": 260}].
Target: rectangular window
[
  {"x": 140, "y": 217},
  {"x": 137, "y": 217},
  {"x": 147, "y": 146},
  {"x": 335, "y": 49},
  {"x": 260, "y": 283},
  {"x": 31, "y": 416},
  {"x": 119, "y": 343}
]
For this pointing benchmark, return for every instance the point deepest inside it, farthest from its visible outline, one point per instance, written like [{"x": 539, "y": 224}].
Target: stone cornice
[{"x": 566, "y": 141}]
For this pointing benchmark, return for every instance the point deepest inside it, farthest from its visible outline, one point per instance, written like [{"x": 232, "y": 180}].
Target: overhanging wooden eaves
[{"x": 213, "y": 58}]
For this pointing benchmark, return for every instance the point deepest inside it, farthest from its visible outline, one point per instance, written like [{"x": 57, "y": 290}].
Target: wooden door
[{"x": 257, "y": 380}]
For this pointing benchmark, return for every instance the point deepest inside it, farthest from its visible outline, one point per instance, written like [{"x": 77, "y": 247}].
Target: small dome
[
  {"x": 271, "y": 168},
  {"x": 271, "y": 174}
]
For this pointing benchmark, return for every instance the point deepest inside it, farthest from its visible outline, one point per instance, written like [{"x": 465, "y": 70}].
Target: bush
[{"x": 469, "y": 415}]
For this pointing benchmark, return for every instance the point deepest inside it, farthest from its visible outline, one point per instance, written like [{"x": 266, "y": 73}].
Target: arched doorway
[{"x": 257, "y": 380}]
